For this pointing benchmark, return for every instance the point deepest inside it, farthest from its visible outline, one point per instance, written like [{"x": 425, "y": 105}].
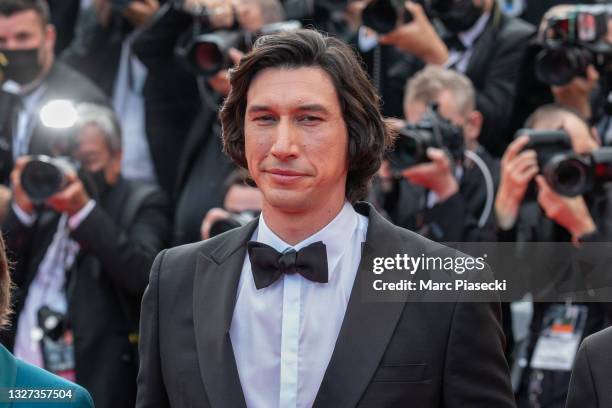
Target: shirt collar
[
  {"x": 469, "y": 37},
  {"x": 334, "y": 235}
]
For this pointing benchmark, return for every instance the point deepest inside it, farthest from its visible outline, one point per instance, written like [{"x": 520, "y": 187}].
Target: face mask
[
  {"x": 460, "y": 16},
  {"x": 21, "y": 66},
  {"x": 99, "y": 181}
]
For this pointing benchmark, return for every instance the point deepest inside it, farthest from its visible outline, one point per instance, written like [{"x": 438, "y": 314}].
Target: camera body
[
  {"x": 565, "y": 171},
  {"x": 208, "y": 53},
  {"x": 43, "y": 176},
  {"x": 573, "y": 42},
  {"x": 432, "y": 131},
  {"x": 383, "y": 16},
  {"x": 235, "y": 220}
]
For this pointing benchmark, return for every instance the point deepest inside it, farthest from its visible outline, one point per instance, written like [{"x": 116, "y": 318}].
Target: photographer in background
[
  {"x": 207, "y": 50},
  {"x": 241, "y": 204},
  {"x": 570, "y": 64},
  {"x": 526, "y": 215},
  {"x": 474, "y": 38},
  {"x": 32, "y": 78},
  {"x": 445, "y": 199},
  {"x": 82, "y": 260}
]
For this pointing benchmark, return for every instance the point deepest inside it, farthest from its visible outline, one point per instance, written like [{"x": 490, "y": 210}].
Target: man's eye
[
  {"x": 309, "y": 119},
  {"x": 264, "y": 119}
]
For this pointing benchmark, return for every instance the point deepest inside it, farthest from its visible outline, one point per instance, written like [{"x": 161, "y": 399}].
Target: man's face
[
  {"x": 94, "y": 153},
  {"x": 25, "y": 30},
  {"x": 296, "y": 140}
]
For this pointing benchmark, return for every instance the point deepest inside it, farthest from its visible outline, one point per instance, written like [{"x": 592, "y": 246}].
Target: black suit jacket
[
  {"x": 104, "y": 287},
  {"x": 62, "y": 82},
  {"x": 172, "y": 100},
  {"x": 387, "y": 354},
  {"x": 590, "y": 384}
]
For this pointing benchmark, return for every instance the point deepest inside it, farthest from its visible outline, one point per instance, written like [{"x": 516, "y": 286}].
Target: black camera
[
  {"x": 208, "y": 53},
  {"x": 565, "y": 171},
  {"x": 44, "y": 176},
  {"x": 432, "y": 131},
  {"x": 235, "y": 220},
  {"x": 383, "y": 16},
  {"x": 572, "y": 43}
]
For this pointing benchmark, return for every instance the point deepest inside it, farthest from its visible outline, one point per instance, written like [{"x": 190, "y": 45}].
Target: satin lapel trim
[
  {"x": 367, "y": 327},
  {"x": 214, "y": 298}
]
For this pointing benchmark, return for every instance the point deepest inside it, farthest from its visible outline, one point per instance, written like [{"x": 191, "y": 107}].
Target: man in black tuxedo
[
  {"x": 82, "y": 257},
  {"x": 590, "y": 383},
  {"x": 227, "y": 322},
  {"x": 31, "y": 78}
]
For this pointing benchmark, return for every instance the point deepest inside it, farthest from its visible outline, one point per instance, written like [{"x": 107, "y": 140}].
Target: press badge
[{"x": 560, "y": 337}]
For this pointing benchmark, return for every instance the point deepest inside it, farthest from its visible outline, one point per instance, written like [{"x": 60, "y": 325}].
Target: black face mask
[
  {"x": 21, "y": 66},
  {"x": 99, "y": 182},
  {"x": 460, "y": 16}
]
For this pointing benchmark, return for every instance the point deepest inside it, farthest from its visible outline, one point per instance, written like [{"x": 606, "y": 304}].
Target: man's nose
[{"x": 285, "y": 145}]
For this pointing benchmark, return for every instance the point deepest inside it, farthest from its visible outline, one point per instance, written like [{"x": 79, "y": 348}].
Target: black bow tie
[{"x": 269, "y": 265}]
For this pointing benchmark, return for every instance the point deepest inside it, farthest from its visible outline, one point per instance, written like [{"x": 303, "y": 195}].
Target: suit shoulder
[
  {"x": 30, "y": 376},
  {"x": 515, "y": 28},
  {"x": 69, "y": 82},
  {"x": 599, "y": 343}
]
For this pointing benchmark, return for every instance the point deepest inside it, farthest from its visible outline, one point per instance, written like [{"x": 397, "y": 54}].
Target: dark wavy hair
[{"x": 369, "y": 136}]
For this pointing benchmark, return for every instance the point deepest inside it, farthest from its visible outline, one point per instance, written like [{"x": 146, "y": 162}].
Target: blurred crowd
[{"x": 110, "y": 151}]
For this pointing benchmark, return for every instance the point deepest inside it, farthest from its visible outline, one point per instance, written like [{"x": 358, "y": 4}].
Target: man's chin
[{"x": 286, "y": 201}]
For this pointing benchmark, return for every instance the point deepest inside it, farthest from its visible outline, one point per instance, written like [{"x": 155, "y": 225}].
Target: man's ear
[
  {"x": 50, "y": 37},
  {"x": 473, "y": 125}
]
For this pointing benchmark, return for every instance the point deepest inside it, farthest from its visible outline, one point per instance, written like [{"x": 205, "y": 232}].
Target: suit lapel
[
  {"x": 367, "y": 326},
  {"x": 214, "y": 297}
]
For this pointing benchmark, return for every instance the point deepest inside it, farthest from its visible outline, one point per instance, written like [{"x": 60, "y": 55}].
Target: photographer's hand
[
  {"x": 517, "y": 169},
  {"x": 19, "y": 195},
  {"x": 436, "y": 176},
  {"x": 569, "y": 212},
  {"x": 213, "y": 215},
  {"x": 418, "y": 37},
  {"x": 72, "y": 198}
]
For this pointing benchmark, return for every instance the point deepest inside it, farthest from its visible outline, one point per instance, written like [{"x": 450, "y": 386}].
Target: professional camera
[
  {"x": 573, "y": 42},
  {"x": 383, "y": 16},
  {"x": 44, "y": 176},
  {"x": 235, "y": 220},
  {"x": 567, "y": 172},
  {"x": 432, "y": 131},
  {"x": 208, "y": 53}
]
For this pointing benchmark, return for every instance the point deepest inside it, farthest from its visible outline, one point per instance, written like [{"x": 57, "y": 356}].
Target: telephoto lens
[
  {"x": 44, "y": 176},
  {"x": 383, "y": 16}
]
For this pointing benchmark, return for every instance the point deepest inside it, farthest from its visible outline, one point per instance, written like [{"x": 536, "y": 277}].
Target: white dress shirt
[
  {"x": 128, "y": 102},
  {"x": 284, "y": 335}
]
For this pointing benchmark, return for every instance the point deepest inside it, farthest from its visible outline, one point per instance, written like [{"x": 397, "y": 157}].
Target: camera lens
[
  {"x": 41, "y": 179},
  {"x": 567, "y": 175},
  {"x": 559, "y": 66},
  {"x": 208, "y": 58}
]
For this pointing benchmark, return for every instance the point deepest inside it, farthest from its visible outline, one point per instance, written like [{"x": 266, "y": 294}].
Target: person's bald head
[{"x": 554, "y": 117}]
